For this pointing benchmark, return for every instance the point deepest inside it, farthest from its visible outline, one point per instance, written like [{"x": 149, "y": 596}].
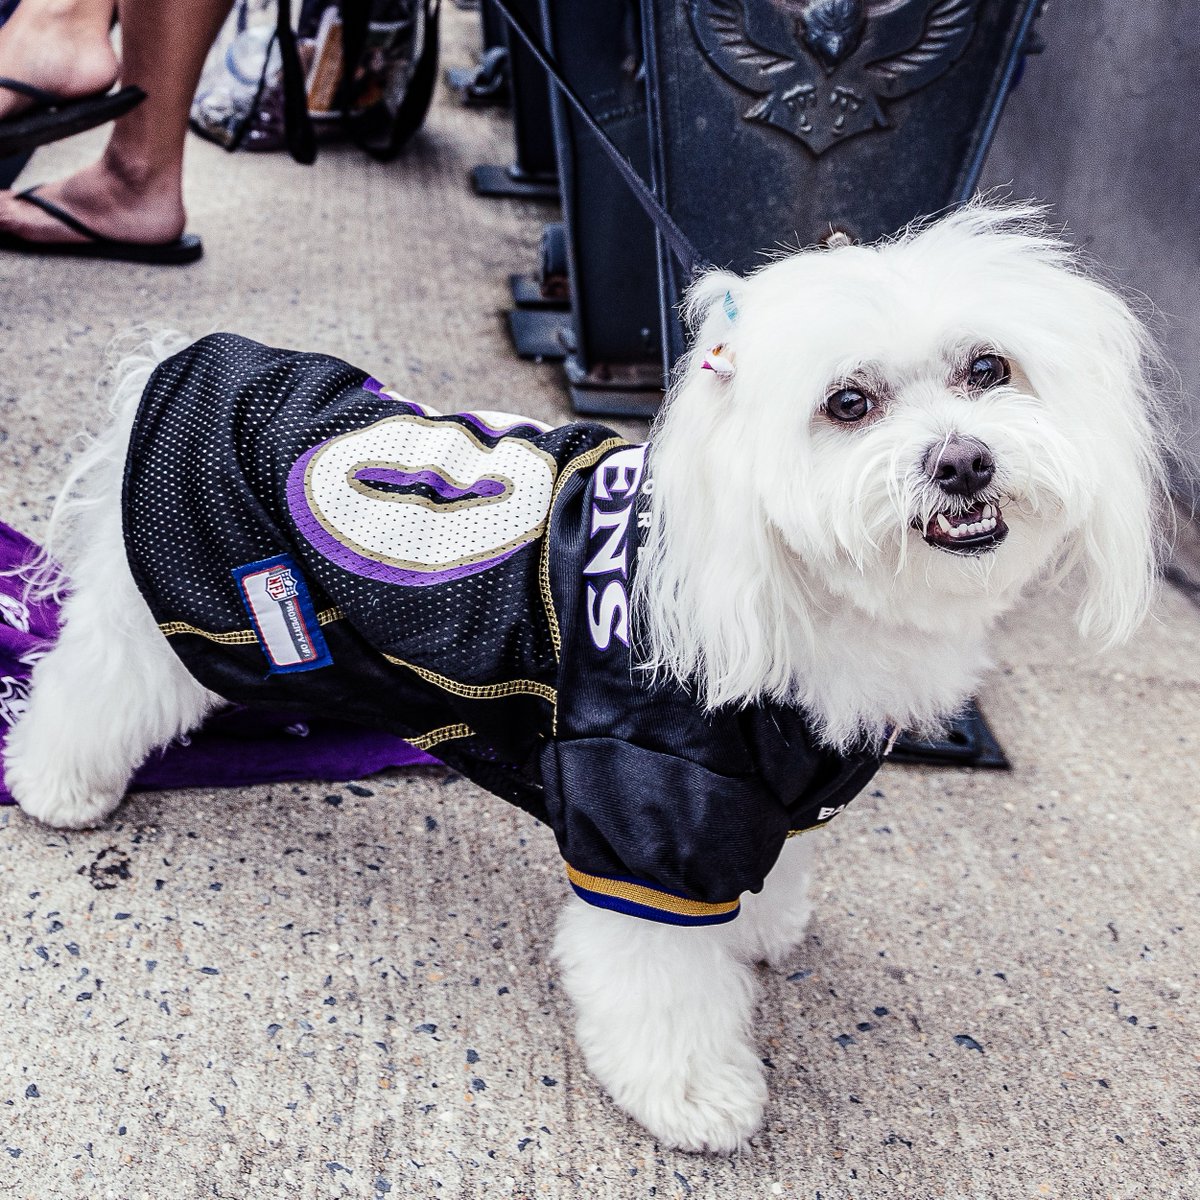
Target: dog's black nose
[{"x": 960, "y": 466}]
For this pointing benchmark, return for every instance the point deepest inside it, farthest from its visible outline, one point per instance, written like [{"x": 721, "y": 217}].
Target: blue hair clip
[{"x": 730, "y": 307}]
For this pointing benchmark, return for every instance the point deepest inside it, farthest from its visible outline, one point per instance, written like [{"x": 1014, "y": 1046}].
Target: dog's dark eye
[
  {"x": 849, "y": 405},
  {"x": 988, "y": 371}
]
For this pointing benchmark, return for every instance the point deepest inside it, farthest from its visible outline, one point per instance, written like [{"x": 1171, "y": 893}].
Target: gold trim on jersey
[
  {"x": 491, "y": 691},
  {"x": 236, "y": 637},
  {"x": 596, "y": 888},
  {"x": 468, "y": 691},
  {"x": 444, "y": 734},
  {"x": 809, "y": 828},
  {"x": 473, "y": 691}
]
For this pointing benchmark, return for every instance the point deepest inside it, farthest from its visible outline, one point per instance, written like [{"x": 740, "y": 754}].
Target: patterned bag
[{"x": 267, "y": 86}]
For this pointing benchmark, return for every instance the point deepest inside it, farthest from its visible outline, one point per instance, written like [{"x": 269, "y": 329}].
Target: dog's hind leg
[
  {"x": 772, "y": 922},
  {"x": 108, "y": 693},
  {"x": 664, "y": 1021}
]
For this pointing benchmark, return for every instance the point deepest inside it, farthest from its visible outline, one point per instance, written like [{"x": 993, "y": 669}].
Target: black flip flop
[
  {"x": 184, "y": 249},
  {"x": 55, "y": 117}
]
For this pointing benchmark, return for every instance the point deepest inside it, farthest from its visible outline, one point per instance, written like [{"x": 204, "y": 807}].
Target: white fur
[
  {"x": 666, "y": 1013},
  {"x": 781, "y": 563},
  {"x": 111, "y": 679}
]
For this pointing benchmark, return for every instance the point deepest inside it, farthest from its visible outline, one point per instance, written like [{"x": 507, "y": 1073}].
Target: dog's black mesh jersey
[{"x": 308, "y": 540}]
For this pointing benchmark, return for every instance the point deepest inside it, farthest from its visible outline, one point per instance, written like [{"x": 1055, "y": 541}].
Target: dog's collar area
[{"x": 981, "y": 528}]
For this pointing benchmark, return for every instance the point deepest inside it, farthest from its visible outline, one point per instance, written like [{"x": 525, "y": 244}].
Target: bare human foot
[
  {"x": 107, "y": 196},
  {"x": 62, "y": 46}
]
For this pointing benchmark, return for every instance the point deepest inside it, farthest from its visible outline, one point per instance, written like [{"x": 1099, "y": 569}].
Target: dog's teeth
[
  {"x": 988, "y": 512},
  {"x": 943, "y": 524}
]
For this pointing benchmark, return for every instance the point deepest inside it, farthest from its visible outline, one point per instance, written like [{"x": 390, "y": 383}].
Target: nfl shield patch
[{"x": 285, "y": 622}]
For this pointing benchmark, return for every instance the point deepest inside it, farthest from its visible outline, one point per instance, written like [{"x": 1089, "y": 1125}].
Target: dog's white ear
[
  {"x": 710, "y": 308},
  {"x": 1124, "y": 535}
]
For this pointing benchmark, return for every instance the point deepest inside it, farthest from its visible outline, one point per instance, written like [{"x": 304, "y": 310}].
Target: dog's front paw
[
  {"x": 51, "y": 796},
  {"x": 664, "y": 1023},
  {"x": 712, "y": 1105}
]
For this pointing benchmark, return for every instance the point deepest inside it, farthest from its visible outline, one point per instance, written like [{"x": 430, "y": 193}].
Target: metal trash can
[{"x": 773, "y": 121}]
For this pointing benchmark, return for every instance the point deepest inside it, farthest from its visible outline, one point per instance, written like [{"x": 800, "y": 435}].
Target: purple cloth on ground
[{"x": 236, "y": 747}]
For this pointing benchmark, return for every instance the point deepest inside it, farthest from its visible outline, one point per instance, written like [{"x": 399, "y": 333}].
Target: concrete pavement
[{"x": 327, "y": 990}]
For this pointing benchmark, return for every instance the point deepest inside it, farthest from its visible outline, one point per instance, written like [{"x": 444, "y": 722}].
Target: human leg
[
  {"x": 134, "y": 192},
  {"x": 61, "y": 46}
]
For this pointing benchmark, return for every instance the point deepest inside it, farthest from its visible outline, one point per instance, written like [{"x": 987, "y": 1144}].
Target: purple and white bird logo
[
  {"x": 14, "y": 699},
  {"x": 14, "y": 612}
]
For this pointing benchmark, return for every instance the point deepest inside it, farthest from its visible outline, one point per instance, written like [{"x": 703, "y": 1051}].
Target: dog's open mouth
[{"x": 979, "y": 529}]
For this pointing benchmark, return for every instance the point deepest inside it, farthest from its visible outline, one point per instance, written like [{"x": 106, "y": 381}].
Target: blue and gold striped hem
[{"x": 636, "y": 899}]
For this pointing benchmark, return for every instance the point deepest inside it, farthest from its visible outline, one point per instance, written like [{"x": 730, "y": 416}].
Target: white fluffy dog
[{"x": 867, "y": 455}]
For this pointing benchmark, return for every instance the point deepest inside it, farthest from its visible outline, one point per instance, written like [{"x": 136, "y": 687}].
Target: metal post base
[
  {"x": 527, "y": 292},
  {"x": 485, "y": 84},
  {"x": 550, "y": 285},
  {"x": 540, "y": 333},
  {"x": 968, "y": 742},
  {"x": 614, "y": 389},
  {"x": 492, "y": 179}
]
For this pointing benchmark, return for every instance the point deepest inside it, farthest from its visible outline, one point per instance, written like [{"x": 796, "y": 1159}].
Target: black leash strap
[
  {"x": 692, "y": 260},
  {"x": 298, "y": 129},
  {"x": 355, "y": 18}
]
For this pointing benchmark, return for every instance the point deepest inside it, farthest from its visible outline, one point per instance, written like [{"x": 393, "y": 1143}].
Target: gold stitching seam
[
  {"x": 237, "y": 637},
  {"x": 809, "y": 828},
  {"x": 471, "y": 691},
  {"x": 576, "y": 464},
  {"x": 437, "y": 736}
]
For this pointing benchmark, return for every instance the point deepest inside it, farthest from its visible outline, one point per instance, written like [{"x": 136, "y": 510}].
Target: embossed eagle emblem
[{"x": 845, "y": 57}]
